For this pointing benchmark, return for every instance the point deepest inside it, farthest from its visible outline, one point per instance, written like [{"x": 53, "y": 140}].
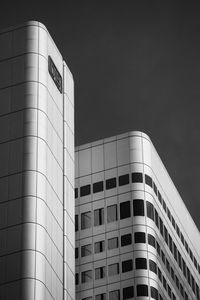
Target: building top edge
[
  {"x": 24, "y": 24},
  {"x": 112, "y": 138}
]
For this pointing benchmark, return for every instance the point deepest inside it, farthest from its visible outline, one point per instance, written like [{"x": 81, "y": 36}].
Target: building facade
[
  {"x": 37, "y": 163},
  {"x": 135, "y": 239}
]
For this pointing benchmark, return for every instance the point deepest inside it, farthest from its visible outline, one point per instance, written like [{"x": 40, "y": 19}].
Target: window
[
  {"x": 179, "y": 260},
  {"x": 166, "y": 235},
  {"x": 175, "y": 252},
  {"x": 158, "y": 248},
  {"x": 98, "y": 216},
  {"x": 113, "y": 243},
  {"x": 177, "y": 281},
  {"x": 86, "y": 250},
  {"x": 173, "y": 223},
  {"x": 112, "y": 213},
  {"x": 163, "y": 256},
  {"x": 76, "y": 222},
  {"x": 154, "y": 293},
  {"x": 168, "y": 214},
  {"x": 128, "y": 292},
  {"x": 188, "y": 276},
  {"x": 126, "y": 239},
  {"x": 141, "y": 263},
  {"x": 191, "y": 254},
  {"x": 98, "y": 187},
  {"x": 161, "y": 226},
  {"x": 148, "y": 180},
  {"x": 125, "y": 211},
  {"x": 155, "y": 188},
  {"x": 151, "y": 240},
  {"x": 173, "y": 296},
  {"x": 177, "y": 230},
  {"x": 137, "y": 177},
  {"x": 99, "y": 273},
  {"x": 164, "y": 205},
  {"x": 99, "y": 246},
  {"x": 86, "y": 276},
  {"x": 111, "y": 183},
  {"x": 76, "y": 252},
  {"x": 113, "y": 269},
  {"x": 138, "y": 207},
  {"x": 85, "y": 190},
  {"x": 167, "y": 265},
  {"x": 186, "y": 247},
  {"x": 140, "y": 237},
  {"x": 184, "y": 267},
  {"x": 170, "y": 243},
  {"x": 127, "y": 266},
  {"x": 186, "y": 296},
  {"x": 159, "y": 197},
  {"x": 150, "y": 210},
  {"x": 100, "y": 297},
  {"x": 164, "y": 283},
  {"x": 123, "y": 179},
  {"x": 159, "y": 274},
  {"x": 76, "y": 279},
  {"x": 193, "y": 284},
  {"x": 114, "y": 295},
  {"x": 142, "y": 290},
  {"x": 169, "y": 291},
  {"x": 172, "y": 273},
  {"x": 86, "y": 220},
  {"x": 76, "y": 193},
  {"x": 152, "y": 266},
  {"x": 156, "y": 218},
  {"x": 181, "y": 289}
]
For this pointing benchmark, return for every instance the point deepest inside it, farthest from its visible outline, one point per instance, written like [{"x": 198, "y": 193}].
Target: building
[
  {"x": 135, "y": 239},
  {"x": 36, "y": 167}
]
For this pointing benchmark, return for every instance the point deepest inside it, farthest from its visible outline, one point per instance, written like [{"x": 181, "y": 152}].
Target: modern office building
[
  {"x": 36, "y": 167},
  {"x": 135, "y": 239}
]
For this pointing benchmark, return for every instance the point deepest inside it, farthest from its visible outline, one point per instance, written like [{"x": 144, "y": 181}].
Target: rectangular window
[
  {"x": 163, "y": 256},
  {"x": 164, "y": 283},
  {"x": 167, "y": 265},
  {"x": 137, "y": 177},
  {"x": 166, "y": 235},
  {"x": 179, "y": 260},
  {"x": 138, "y": 207},
  {"x": 128, "y": 292},
  {"x": 161, "y": 226},
  {"x": 151, "y": 240},
  {"x": 177, "y": 281},
  {"x": 113, "y": 269},
  {"x": 170, "y": 243},
  {"x": 184, "y": 267},
  {"x": 159, "y": 197},
  {"x": 114, "y": 295},
  {"x": 86, "y": 250},
  {"x": 142, "y": 290},
  {"x": 76, "y": 279},
  {"x": 125, "y": 210},
  {"x": 76, "y": 252},
  {"x": 99, "y": 246},
  {"x": 127, "y": 266},
  {"x": 126, "y": 239},
  {"x": 172, "y": 273},
  {"x": 188, "y": 276},
  {"x": 76, "y": 222},
  {"x": 113, "y": 243},
  {"x": 156, "y": 218},
  {"x": 86, "y": 220},
  {"x": 99, "y": 273},
  {"x": 173, "y": 223},
  {"x": 150, "y": 210},
  {"x": 158, "y": 248},
  {"x": 175, "y": 252},
  {"x": 141, "y": 263},
  {"x": 155, "y": 188},
  {"x": 169, "y": 214},
  {"x": 98, "y": 216},
  {"x": 152, "y": 266},
  {"x": 186, "y": 247},
  {"x": 111, "y": 183},
  {"x": 160, "y": 275},
  {"x": 164, "y": 205},
  {"x": 140, "y": 237},
  {"x": 76, "y": 193},
  {"x": 112, "y": 213},
  {"x": 169, "y": 291},
  {"x": 85, "y": 190},
  {"x": 100, "y": 297},
  {"x": 148, "y": 180},
  {"x": 86, "y": 276},
  {"x": 98, "y": 187},
  {"x": 177, "y": 230},
  {"x": 154, "y": 293},
  {"x": 123, "y": 179}
]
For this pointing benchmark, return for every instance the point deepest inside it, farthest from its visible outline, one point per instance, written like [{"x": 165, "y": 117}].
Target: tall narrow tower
[{"x": 36, "y": 167}]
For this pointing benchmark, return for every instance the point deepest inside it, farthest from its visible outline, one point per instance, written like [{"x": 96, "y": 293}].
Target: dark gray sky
[{"x": 136, "y": 66}]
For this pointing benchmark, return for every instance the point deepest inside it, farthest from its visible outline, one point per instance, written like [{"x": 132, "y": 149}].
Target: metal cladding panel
[{"x": 32, "y": 159}]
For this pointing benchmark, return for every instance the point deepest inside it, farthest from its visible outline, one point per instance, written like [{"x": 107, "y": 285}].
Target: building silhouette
[
  {"x": 36, "y": 167},
  {"x": 135, "y": 239}
]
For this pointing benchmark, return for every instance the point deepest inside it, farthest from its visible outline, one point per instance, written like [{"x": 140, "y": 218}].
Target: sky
[{"x": 136, "y": 66}]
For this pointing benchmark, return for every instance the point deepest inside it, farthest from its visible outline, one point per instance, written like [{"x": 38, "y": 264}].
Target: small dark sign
[{"x": 53, "y": 71}]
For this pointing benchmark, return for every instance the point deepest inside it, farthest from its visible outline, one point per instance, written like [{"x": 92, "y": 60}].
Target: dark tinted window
[
  {"x": 170, "y": 243},
  {"x": 148, "y": 180},
  {"x": 161, "y": 226},
  {"x": 86, "y": 250},
  {"x": 111, "y": 183},
  {"x": 141, "y": 263},
  {"x": 100, "y": 297},
  {"x": 86, "y": 220},
  {"x": 142, "y": 290},
  {"x": 124, "y": 179},
  {"x": 85, "y": 190},
  {"x": 165, "y": 234},
  {"x": 99, "y": 246},
  {"x": 152, "y": 266},
  {"x": 163, "y": 256},
  {"x": 128, "y": 292},
  {"x": 76, "y": 193},
  {"x": 172, "y": 273},
  {"x": 125, "y": 210},
  {"x": 98, "y": 187},
  {"x": 137, "y": 177},
  {"x": 154, "y": 293},
  {"x": 98, "y": 216},
  {"x": 126, "y": 239},
  {"x": 127, "y": 265},
  {"x": 158, "y": 247},
  {"x": 159, "y": 274},
  {"x": 173, "y": 223},
  {"x": 86, "y": 276},
  {"x": 156, "y": 218},
  {"x": 177, "y": 230},
  {"x": 169, "y": 214},
  {"x": 76, "y": 252},
  {"x": 169, "y": 291},
  {"x": 167, "y": 265},
  {"x": 99, "y": 272},
  {"x": 159, "y": 197},
  {"x": 140, "y": 237},
  {"x": 150, "y": 210},
  {"x": 151, "y": 240},
  {"x": 155, "y": 188},
  {"x": 164, "y": 283},
  {"x": 164, "y": 205},
  {"x": 138, "y": 207},
  {"x": 179, "y": 260},
  {"x": 76, "y": 279},
  {"x": 76, "y": 222}
]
